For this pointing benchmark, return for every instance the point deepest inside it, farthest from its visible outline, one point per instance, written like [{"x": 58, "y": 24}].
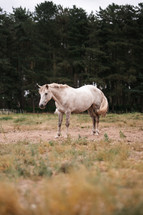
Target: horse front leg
[
  {"x": 60, "y": 119},
  {"x": 67, "y": 121}
]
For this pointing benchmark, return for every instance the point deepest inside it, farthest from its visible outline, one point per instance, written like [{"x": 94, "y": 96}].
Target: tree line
[{"x": 67, "y": 45}]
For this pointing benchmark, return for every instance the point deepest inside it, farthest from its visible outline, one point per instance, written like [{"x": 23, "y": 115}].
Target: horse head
[{"x": 45, "y": 95}]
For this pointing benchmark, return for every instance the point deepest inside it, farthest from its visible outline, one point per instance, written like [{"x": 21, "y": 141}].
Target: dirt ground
[{"x": 131, "y": 134}]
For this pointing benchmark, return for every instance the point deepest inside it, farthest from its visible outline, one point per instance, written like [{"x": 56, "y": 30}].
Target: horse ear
[
  {"x": 38, "y": 85},
  {"x": 47, "y": 86}
]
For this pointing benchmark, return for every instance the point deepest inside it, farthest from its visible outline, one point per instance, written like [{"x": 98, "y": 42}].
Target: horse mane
[{"x": 55, "y": 85}]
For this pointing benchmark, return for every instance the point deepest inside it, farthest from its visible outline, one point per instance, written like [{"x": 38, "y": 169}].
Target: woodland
[{"x": 69, "y": 46}]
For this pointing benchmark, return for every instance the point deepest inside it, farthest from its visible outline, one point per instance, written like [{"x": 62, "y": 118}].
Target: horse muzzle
[{"x": 41, "y": 106}]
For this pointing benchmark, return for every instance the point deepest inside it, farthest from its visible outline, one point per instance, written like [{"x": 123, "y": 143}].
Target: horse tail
[{"x": 103, "y": 107}]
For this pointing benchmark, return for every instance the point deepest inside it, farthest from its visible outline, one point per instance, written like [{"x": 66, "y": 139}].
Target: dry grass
[
  {"x": 74, "y": 176},
  {"x": 9, "y": 200}
]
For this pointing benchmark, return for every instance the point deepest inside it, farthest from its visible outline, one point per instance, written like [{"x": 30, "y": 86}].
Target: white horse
[{"x": 74, "y": 100}]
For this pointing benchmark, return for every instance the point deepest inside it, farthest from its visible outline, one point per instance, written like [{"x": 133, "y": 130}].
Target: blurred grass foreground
[{"x": 71, "y": 176}]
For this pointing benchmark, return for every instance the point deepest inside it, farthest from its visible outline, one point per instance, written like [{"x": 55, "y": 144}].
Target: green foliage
[
  {"x": 5, "y": 118},
  {"x": 122, "y": 135},
  {"x": 106, "y": 138}
]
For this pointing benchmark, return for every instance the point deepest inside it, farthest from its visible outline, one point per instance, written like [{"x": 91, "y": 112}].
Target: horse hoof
[
  {"x": 57, "y": 136},
  {"x": 97, "y": 132}
]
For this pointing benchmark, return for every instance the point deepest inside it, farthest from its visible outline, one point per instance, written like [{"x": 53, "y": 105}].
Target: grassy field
[{"x": 78, "y": 175}]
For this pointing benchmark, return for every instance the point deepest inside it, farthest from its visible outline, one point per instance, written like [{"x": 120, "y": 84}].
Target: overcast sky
[{"x": 87, "y": 5}]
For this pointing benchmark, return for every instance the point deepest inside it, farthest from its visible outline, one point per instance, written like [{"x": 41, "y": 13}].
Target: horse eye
[{"x": 46, "y": 94}]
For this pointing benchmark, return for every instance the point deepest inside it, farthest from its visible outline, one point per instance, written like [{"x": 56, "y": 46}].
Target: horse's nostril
[{"x": 41, "y": 106}]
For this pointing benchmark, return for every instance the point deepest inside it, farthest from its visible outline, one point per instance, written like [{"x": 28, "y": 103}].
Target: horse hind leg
[
  {"x": 67, "y": 122},
  {"x": 95, "y": 119},
  {"x": 93, "y": 122},
  {"x": 97, "y": 125},
  {"x": 92, "y": 115}
]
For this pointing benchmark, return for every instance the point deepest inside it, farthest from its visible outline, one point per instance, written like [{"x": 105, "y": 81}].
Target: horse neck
[{"x": 56, "y": 92}]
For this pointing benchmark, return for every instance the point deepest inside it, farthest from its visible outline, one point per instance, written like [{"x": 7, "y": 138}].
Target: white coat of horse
[{"x": 74, "y": 100}]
